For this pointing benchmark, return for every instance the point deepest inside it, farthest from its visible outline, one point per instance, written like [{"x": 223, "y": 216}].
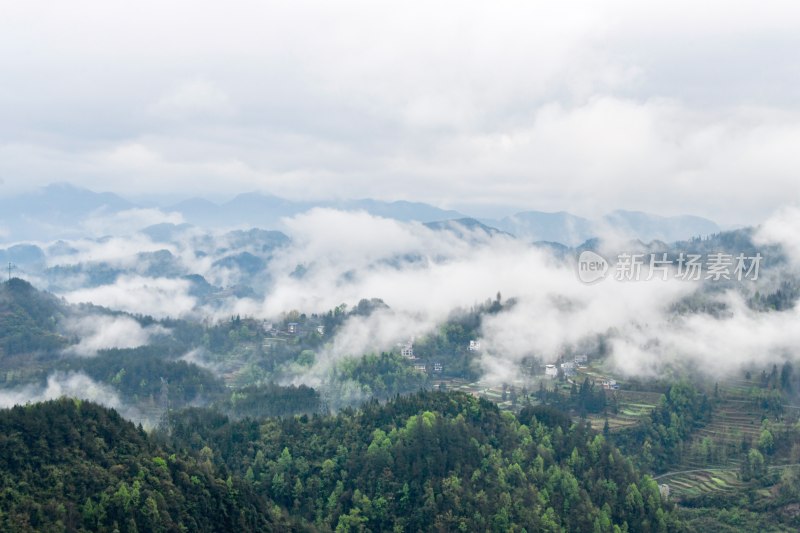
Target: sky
[{"x": 667, "y": 107}]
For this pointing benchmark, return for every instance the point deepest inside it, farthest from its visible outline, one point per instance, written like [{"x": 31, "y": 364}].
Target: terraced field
[
  {"x": 687, "y": 484},
  {"x": 734, "y": 426},
  {"x": 633, "y": 406},
  {"x": 735, "y": 420},
  {"x": 492, "y": 392},
  {"x": 698, "y": 482}
]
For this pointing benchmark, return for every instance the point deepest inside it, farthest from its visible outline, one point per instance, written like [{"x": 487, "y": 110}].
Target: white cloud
[
  {"x": 127, "y": 221},
  {"x": 715, "y": 346},
  {"x": 98, "y": 332},
  {"x": 194, "y": 98},
  {"x": 425, "y": 274},
  {"x": 783, "y": 229},
  {"x": 348, "y": 256},
  {"x": 118, "y": 251},
  {"x": 72, "y": 385},
  {"x": 346, "y": 260},
  {"x": 157, "y": 297},
  {"x": 548, "y": 106}
]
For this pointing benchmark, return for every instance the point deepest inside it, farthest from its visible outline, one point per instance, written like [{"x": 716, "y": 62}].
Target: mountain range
[{"x": 63, "y": 210}]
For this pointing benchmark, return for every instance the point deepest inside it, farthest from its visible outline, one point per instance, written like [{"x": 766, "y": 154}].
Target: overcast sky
[{"x": 668, "y": 107}]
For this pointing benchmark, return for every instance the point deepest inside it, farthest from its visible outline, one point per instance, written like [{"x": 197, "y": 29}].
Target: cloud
[
  {"x": 644, "y": 335},
  {"x": 157, "y": 297},
  {"x": 72, "y": 385},
  {"x": 714, "y": 346},
  {"x": 424, "y": 275},
  {"x": 548, "y": 106},
  {"x": 99, "y": 332},
  {"x": 198, "y": 357},
  {"x": 347, "y": 256},
  {"x": 564, "y": 313},
  {"x": 128, "y": 221},
  {"x": 610, "y": 152},
  {"x": 118, "y": 251},
  {"x": 359, "y": 335},
  {"x": 194, "y": 98},
  {"x": 783, "y": 229}
]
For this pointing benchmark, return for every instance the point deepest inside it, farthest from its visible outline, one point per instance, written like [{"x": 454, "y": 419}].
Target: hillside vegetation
[{"x": 426, "y": 462}]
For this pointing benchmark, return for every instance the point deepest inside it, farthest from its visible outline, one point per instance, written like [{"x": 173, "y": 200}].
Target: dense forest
[
  {"x": 431, "y": 461},
  {"x": 28, "y": 319},
  {"x": 67, "y": 465},
  {"x": 424, "y": 462}
]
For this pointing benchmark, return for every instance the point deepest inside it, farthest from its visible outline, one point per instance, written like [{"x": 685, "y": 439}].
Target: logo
[{"x": 592, "y": 267}]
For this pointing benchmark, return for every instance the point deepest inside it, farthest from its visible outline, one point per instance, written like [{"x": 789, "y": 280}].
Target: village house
[
  {"x": 407, "y": 348},
  {"x": 551, "y": 371},
  {"x": 610, "y": 384}
]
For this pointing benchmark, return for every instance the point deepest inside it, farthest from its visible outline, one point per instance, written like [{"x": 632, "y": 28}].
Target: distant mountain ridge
[
  {"x": 560, "y": 227},
  {"x": 647, "y": 227},
  {"x": 263, "y": 210},
  {"x": 468, "y": 228},
  {"x": 55, "y": 211},
  {"x": 571, "y": 230},
  {"x": 62, "y": 210}
]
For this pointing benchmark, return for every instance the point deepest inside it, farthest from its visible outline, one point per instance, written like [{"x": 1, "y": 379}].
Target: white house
[
  {"x": 474, "y": 346},
  {"x": 610, "y": 384},
  {"x": 292, "y": 327},
  {"x": 551, "y": 371},
  {"x": 407, "y": 348}
]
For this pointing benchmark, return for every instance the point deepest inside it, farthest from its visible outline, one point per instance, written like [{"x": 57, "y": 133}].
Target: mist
[
  {"x": 102, "y": 332},
  {"x": 157, "y": 297},
  {"x": 347, "y": 257},
  {"x": 60, "y": 384},
  {"x": 425, "y": 273}
]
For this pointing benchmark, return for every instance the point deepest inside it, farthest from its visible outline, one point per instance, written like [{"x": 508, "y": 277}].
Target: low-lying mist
[
  {"x": 427, "y": 274},
  {"x": 73, "y": 385}
]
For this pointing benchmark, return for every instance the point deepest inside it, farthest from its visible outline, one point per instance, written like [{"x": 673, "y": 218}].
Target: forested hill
[
  {"x": 427, "y": 462},
  {"x": 434, "y": 462},
  {"x": 28, "y": 318},
  {"x": 67, "y": 465}
]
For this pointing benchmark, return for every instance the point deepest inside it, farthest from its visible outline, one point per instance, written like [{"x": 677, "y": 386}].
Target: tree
[
  {"x": 754, "y": 466},
  {"x": 766, "y": 442},
  {"x": 786, "y": 377}
]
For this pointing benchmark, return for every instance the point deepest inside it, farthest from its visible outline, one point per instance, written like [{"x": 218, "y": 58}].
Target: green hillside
[
  {"x": 28, "y": 319},
  {"x": 75, "y": 466},
  {"x": 427, "y": 462}
]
